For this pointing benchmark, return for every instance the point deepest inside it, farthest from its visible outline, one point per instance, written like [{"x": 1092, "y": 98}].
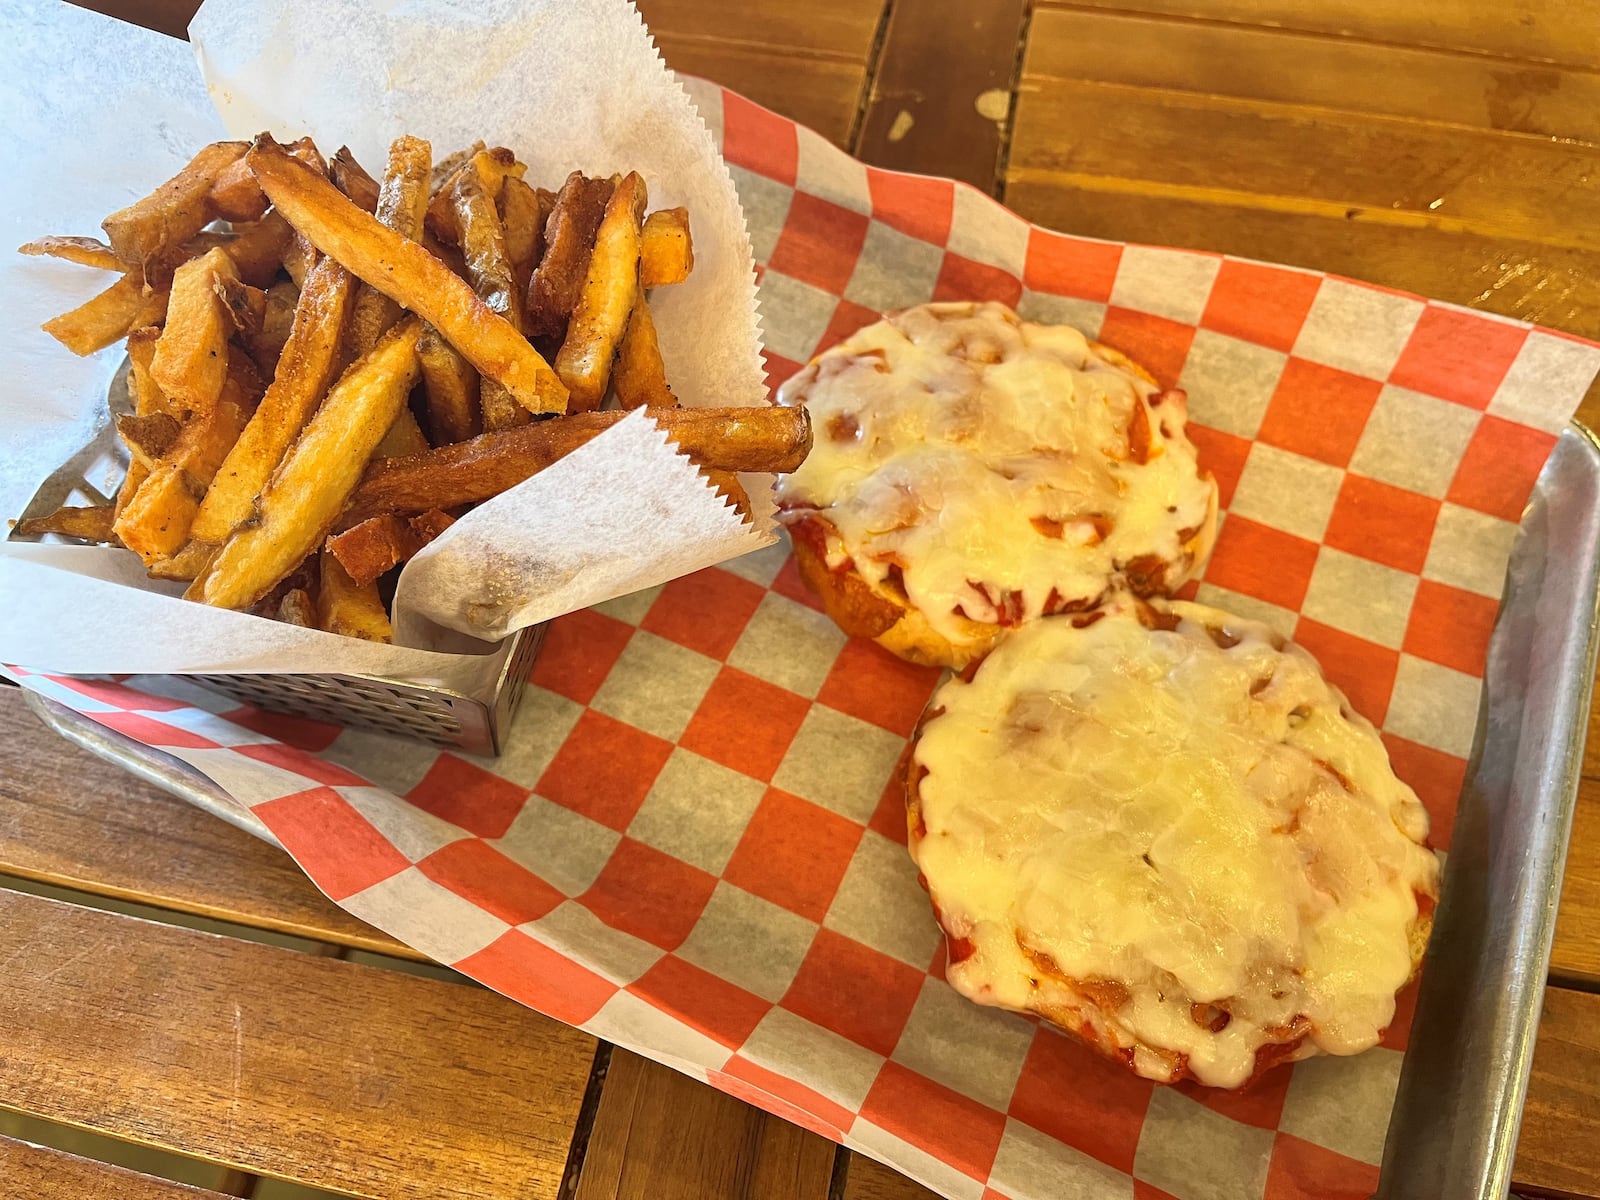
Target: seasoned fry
[
  {"x": 92, "y": 524},
  {"x": 186, "y": 564},
  {"x": 155, "y": 523},
  {"x": 666, "y": 251},
  {"x": 451, "y": 163},
  {"x": 377, "y": 546},
  {"x": 608, "y": 296},
  {"x": 98, "y": 323},
  {"x": 317, "y": 476},
  {"x": 452, "y": 390},
  {"x": 482, "y": 240},
  {"x": 235, "y": 195},
  {"x": 569, "y": 235},
  {"x": 303, "y": 375},
  {"x": 258, "y": 250},
  {"x": 351, "y": 178},
  {"x": 405, "y": 437},
  {"x": 492, "y": 167},
  {"x": 245, "y": 306},
  {"x": 639, "y": 376},
  {"x": 159, "y": 224},
  {"x": 407, "y": 273},
  {"x": 146, "y": 399},
  {"x": 191, "y": 359},
  {"x": 727, "y": 439},
  {"x": 500, "y": 411},
  {"x": 347, "y": 607},
  {"x": 149, "y": 437},
  {"x": 85, "y": 251},
  {"x": 524, "y": 230},
  {"x": 402, "y": 206},
  {"x": 277, "y": 321}
]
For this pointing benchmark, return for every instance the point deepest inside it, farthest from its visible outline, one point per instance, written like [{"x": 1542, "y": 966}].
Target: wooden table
[{"x": 1448, "y": 149}]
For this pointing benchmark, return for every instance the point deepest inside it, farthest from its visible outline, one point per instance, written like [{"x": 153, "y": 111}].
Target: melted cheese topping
[
  {"x": 1204, "y": 826},
  {"x": 995, "y": 464}
]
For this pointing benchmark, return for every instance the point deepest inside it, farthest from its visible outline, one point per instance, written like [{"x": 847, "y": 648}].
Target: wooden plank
[
  {"x": 941, "y": 99},
  {"x": 326, "y": 1073},
  {"x": 1553, "y": 30},
  {"x": 1575, "y": 957},
  {"x": 71, "y": 819},
  {"x": 39, "y": 1173},
  {"x": 843, "y": 29},
  {"x": 660, "y": 1135},
  {"x": 1288, "y": 158},
  {"x": 170, "y": 17},
  {"x": 1561, "y": 1121},
  {"x": 1335, "y": 73},
  {"x": 869, "y": 1179},
  {"x": 822, "y": 93}
]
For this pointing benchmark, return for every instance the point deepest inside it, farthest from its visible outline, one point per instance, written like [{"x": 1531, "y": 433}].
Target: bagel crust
[
  {"x": 1158, "y": 827},
  {"x": 973, "y": 471}
]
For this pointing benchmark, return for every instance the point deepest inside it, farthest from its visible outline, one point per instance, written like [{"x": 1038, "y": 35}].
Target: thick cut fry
[
  {"x": 149, "y": 437},
  {"x": 524, "y": 230},
  {"x": 639, "y": 376},
  {"x": 107, "y": 318},
  {"x": 569, "y": 235},
  {"x": 277, "y": 322},
  {"x": 351, "y": 178},
  {"x": 317, "y": 476},
  {"x": 451, "y": 163},
  {"x": 146, "y": 399},
  {"x": 377, "y": 546},
  {"x": 258, "y": 250},
  {"x": 666, "y": 251},
  {"x": 408, "y": 274},
  {"x": 235, "y": 195},
  {"x": 402, "y": 206},
  {"x": 159, "y": 224},
  {"x": 727, "y": 485},
  {"x": 607, "y": 299},
  {"x": 85, "y": 251},
  {"x": 303, "y": 375},
  {"x": 92, "y": 524},
  {"x": 191, "y": 359},
  {"x": 186, "y": 564},
  {"x": 155, "y": 523},
  {"x": 297, "y": 608},
  {"x": 451, "y": 385},
  {"x": 491, "y": 167},
  {"x": 500, "y": 411},
  {"x": 726, "y": 439},
  {"x": 405, "y": 437},
  {"x": 246, "y": 306},
  {"x": 351, "y": 608},
  {"x": 482, "y": 241}
]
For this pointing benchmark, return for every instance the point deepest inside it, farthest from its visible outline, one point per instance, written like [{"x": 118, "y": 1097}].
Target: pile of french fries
[{"x": 326, "y": 369}]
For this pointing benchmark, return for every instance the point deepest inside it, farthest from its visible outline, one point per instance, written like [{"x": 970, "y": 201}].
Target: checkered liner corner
[{"x": 693, "y": 844}]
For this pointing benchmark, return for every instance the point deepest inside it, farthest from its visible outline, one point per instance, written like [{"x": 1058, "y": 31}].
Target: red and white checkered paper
[{"x": 694, "y": 846}]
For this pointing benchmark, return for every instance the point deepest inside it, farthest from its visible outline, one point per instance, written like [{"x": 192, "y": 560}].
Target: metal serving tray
[{"x": 1465, "y": 1075}]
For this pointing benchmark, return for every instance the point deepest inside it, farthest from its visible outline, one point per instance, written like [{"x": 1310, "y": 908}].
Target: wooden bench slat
[
  {"x": 40, "y": 1173},
  {"x": 869, "y": 1179},
  {"x": 76, "y": 821},
  {"x": 331, "y": 1074},
  {"x": 1575, "y": 956},
  {"x": 1561, "y": 1121},
  {"x": 819, "y": 92},
  {"x": 659, "y": 1135}
]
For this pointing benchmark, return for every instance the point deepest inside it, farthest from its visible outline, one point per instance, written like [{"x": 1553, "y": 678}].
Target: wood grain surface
[
  {"x": 340, "y": 1076},
  {"x": 38, "y": 1173}
]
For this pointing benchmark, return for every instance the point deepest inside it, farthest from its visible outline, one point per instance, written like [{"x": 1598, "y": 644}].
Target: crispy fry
[
  {"x": 258, "y": 250},
  {"x": 451, "y": 163},
  {"x": 482, "y": 241},
  {"x": 159, "y": 224},
  {"x": 184, "y": 565},
  {"x": 85, "y": 251},
  {"x": 297, "y": 608},
  {"x": 500, "y": 411},
  {"x": 608, "y": 296},
  {"x": 405, "y": 437},
  {"x": 569, "y": 235},
  {"x": 492, "y": 167},
  {"x": 452, "y": 390},
  {"x": 277, "y": 321},
  {"x": 317, "y": 476},
  {"x": 351, "y": 178},
  {"x": 245, "y": 306},
  {"x": 351, "y": 608},
  {"x": 402, "y": 206},
  {"x": 191, "y": 359},
  {"x": 146, "y": 399},
  {"x": 408, "y": 274},
  {"x": 727, "y": 439},
  {"x": 98, "y": 323},
  {"x": 524, "y": 230},
  {"x": 727, "y": 485},
  {"x": 235, "y": 195},
  {"x": 383, "y": 543},
  {"x": 149, "y": 437},
  {"x": 639, "y": 376},
  {"x": 155, "y": 523},
  {"x": 666, "y": 251},
  {"x": 304, "y": 372},
  {"x": 92, "y": 524}
]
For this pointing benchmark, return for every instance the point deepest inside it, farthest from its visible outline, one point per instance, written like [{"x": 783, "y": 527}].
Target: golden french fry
[
  {"x": 451, "y": 163},
  {"x": 246, "y": 307},
  {"x": 317, "y": 476},
  {"x": 186, "y": 564},
  {"x": 277, "y": 322},
  {"x": 482, "y": 241},
  {"x": 383, "y": 543},
  {"x": 304, "y": 373},
  {"x": 159, "y": 224},
  {"x": 557, "y": 282},
  {"x": 500, "y": 411},
  {"x": 146, "y": 399},
  {"x": 607, "y": 299},
  {"x": 92, "y": 524},
  {"x": 408, "y": 274},
  {"x": 107, "y": 318},
  {"x": 155, "y": 523},
  {"x": 639, "y": 377},
  {"x": 727, "y": 485},
  {"x": 492, "y": 167},
  {"x": 191, "y": 359},
  {"x": 666, "y": 251},
  {"x": 451, "y": 385},
  {"x": 235, "y": 195},
  {"x": 726, "y": 439},
  {"x": 297, "y": 608},
  {"x": 257, "y": 250},
  {"x": 351, "y": 608},
  {"x": 85, "y": 251},
  {"x": 351, "y": 178},
  {"x": 149, "y": 437},
  {"x": 405, "y": 437},
  {"x": 402, "y": 206},
  {"x": 524, "y": 230}
]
